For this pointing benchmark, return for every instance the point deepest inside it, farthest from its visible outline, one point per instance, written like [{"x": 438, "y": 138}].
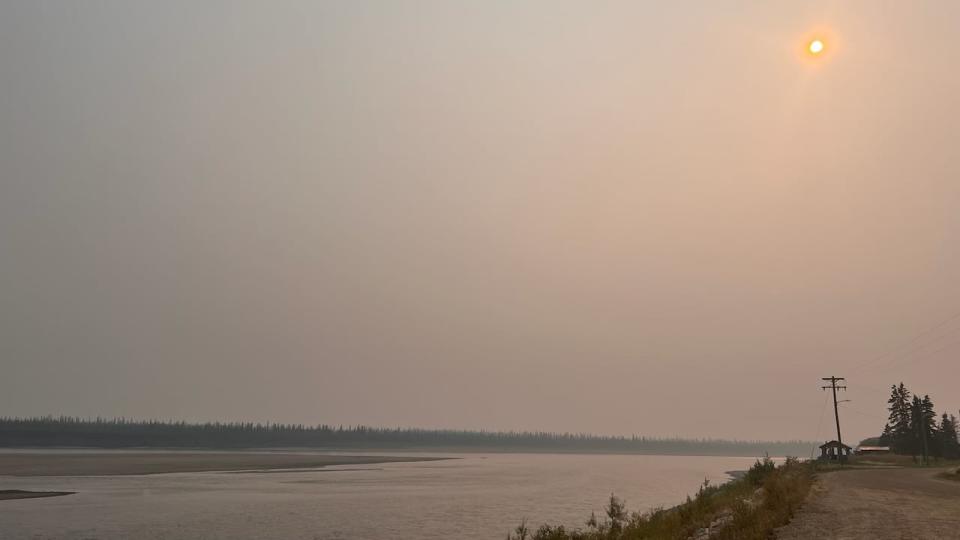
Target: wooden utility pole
[
  {"x": 922, "y": 426},
  {"x": 923, "y": 433},
  {"x": 836, "y": 414}
]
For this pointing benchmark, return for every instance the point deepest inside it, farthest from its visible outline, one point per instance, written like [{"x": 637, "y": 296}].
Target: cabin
[{"x": 833, "y": 451}]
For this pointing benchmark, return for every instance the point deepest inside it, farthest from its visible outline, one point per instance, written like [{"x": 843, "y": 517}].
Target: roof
[{"x": 833, "y": 444}]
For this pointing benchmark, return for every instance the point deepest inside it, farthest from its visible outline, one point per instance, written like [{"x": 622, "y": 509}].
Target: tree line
[
  {"x": 912, "y": 427},
  {"x": 65, "y": 431}
]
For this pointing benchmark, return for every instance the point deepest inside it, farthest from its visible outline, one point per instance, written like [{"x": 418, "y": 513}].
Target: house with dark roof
[{"x": 834, "y": 451}]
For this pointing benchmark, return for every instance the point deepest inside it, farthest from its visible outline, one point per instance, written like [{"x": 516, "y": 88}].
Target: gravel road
[{"x": 894, "y": 503}]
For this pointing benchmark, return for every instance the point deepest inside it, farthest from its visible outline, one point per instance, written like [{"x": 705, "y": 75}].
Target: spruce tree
[
  {"x": 886, "y": 438},
  {"x": 923, "y": 420},
  {"x": 947, "y": 441},
  {"x": 953, "y": 443},
  {"x": 900, "y": 435},
  {"x": 914, "y": 444}
]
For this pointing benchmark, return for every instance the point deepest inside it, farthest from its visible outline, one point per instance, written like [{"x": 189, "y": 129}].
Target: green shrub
[{"x": 760, "y": 470}]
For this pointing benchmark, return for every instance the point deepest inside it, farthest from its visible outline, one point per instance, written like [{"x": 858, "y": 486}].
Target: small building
[
  {"x": 872, "y": 450},
  {"x": 833, "y": 451}
]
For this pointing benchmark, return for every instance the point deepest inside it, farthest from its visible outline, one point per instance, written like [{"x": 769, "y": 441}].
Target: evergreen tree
[
  {"x": 886, "y": 438},
  {"x": 923, "y": 420},
  {"x": 948, "y": 444},
  {"x": 899, "y": 434}
]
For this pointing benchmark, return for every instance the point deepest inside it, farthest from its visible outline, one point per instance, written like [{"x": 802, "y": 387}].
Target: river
[{"x": 473, "y": 497}]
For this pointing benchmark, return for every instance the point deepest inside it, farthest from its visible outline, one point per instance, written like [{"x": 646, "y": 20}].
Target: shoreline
[
  {"x": 94, "y": 463},
  {"x": 16, "y": 494},
  {"x": 362, "y": 450},
  {"x": 735, "y": 475},
  {"x": 740, "y": 508}
]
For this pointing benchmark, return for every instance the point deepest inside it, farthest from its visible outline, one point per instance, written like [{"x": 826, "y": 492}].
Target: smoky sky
[{"x": 612, "y": 217}]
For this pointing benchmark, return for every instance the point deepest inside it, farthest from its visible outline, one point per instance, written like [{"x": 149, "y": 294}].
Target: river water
[{"x": 477, "y": 496}]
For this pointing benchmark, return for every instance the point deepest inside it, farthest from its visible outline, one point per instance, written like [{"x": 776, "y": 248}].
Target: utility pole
[
  {"x": 923, "y": 434},
  {"x": 922, "y": 427},
  {"x": 836, "y": 414}
]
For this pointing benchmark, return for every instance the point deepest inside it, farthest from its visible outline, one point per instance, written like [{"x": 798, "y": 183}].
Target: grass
[
  {"x": 749, "y": 508},
  {"x": 953, "y": 474}
]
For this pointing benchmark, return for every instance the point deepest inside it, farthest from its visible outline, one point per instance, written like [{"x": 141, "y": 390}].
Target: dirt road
[{"x": 908, "y": 503}]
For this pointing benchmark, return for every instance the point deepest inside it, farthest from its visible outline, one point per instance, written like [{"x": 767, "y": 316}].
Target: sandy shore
[{"x": 121, "y": 463}]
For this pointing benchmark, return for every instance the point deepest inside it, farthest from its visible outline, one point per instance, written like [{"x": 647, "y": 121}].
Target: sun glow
[{"x": 816, "y": 46}]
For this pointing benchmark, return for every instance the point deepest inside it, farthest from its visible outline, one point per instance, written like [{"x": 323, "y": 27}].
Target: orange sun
[{"x": 816, "y": 47}]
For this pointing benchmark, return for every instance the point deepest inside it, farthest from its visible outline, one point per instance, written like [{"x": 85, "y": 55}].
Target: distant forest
[{"x": 67, "y": 431}]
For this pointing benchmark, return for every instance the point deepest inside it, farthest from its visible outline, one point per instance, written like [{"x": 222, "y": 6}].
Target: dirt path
[{"x": 879, "y": 504}]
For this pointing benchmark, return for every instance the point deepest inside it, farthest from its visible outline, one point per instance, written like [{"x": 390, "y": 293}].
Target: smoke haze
[{"x": 614, "y": 217}]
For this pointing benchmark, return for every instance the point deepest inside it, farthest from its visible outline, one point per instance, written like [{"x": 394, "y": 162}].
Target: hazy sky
[{"x": 615, "y": 217}]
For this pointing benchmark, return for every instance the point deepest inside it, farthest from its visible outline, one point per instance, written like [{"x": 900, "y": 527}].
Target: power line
[
  {"x": 873, "y": 416},
  {"x": 869, "y": 387},
  {"x": 929, "y": 354},
  {"x": 906, "y": 346}
]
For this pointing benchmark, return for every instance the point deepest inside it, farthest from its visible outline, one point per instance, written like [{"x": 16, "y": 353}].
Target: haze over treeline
[
  {"x": 124, "y": 433},
  {"x": 607, "y": 217}
]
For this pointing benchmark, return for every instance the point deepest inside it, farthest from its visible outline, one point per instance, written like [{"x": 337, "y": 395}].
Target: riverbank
[
  {"x": 100, "y": 463},
  {"x": 750, "y": 507},
  {"x": 879, "y": 497}
]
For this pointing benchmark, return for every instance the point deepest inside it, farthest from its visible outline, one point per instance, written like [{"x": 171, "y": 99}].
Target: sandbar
[
  {"x": 92, "y": 463},
  {"x": 10, "y": 494}
]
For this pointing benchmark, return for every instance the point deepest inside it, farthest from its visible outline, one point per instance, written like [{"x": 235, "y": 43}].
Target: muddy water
[{"x": 479, "y": 496}]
